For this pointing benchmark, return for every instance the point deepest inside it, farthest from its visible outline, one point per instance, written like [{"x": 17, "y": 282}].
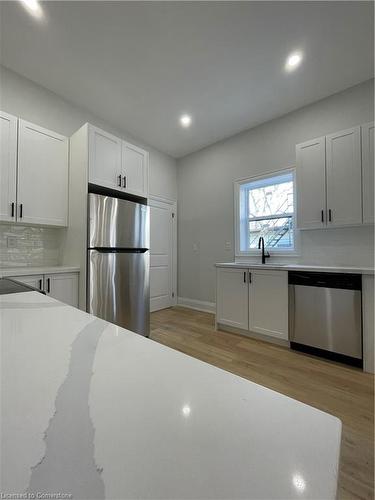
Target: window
[{"x": 265, "y": 207}]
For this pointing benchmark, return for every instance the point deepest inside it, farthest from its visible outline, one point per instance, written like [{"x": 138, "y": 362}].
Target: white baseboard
[{"x": 199, "y": 305}]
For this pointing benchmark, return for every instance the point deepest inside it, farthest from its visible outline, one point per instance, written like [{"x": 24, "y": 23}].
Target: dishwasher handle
[{"x": 345, "y": 281}]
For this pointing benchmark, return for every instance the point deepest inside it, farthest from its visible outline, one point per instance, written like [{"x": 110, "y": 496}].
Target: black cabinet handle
[
  {"x": 124, "y": 181},
  {"x": 322, "y": 218},
  {"x": 48, "y": 285},
  {"x": 249, "y": 277},
  {"x": 119, "y": 181},
  {"x": 40, "y": 284},
  {"x": 330, "y": 215},
  {"x": 244, "y": 277},
  {"x": 12, "y": 209},
  {"x": 21, "y": 210}
]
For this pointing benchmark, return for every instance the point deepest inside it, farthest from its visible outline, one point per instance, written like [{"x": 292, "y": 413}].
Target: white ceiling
[{"x": 140, "y": 65}]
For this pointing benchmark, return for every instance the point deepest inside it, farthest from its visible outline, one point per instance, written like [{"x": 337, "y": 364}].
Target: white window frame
[{"x": 238, "y": 225}]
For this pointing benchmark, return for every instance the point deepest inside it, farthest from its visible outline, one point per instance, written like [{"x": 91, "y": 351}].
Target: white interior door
[
  {"x": 43, "y": 171},
  {"x": 8, "y": 166},
  {"x": 344, "y": 178},
  {"x": 163, "y": 255}
]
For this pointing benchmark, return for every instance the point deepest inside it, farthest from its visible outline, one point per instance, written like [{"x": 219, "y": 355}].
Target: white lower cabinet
[
  {"x": 268, "y": 303},
  {"x": 60, "y": 286},
  {"x": 232, "y": 298},
  {"x": 63, "y": 287},
  {"x": 255, "y": 300}
]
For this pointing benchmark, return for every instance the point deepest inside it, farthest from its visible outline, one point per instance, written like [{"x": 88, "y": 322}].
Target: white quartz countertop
[
  {"x": 297, "y": 267},
  {"x": 30, "y": 271},
  {"x": 95, "y": 411}
]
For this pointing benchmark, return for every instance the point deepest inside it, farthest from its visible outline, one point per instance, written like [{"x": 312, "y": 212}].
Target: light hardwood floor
[{"x": 345, "y": 392}]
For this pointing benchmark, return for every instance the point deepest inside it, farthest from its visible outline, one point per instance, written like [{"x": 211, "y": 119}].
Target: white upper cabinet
[
  {"x": 135, "y": 169},
  {"x": 116, "y": 164},
  {"x": 8, "y": 166},
  {"x": 104, "y": 159},
  {"x": 43, "y": 169},
  {"x": 344, "y": 178},
  {"x": 232, "y": 294},
  {"x": 368, "y": 172},
  {"x": 268, "y": 303},
  {"x": 311, "y": 184}
]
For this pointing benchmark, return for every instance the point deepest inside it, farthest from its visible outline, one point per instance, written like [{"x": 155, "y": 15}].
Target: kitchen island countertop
[{"x": 95, "y": 411}]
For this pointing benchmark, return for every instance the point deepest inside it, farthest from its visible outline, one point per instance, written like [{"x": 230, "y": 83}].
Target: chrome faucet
[{"x": 265, "y": 255}]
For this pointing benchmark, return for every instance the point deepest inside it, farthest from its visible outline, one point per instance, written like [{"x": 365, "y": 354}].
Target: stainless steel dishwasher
[{"x": 325, "y": 315}]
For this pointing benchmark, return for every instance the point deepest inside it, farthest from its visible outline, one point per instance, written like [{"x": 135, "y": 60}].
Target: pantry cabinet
[
  {"x": 34, "y": 173},
  {"x": 368, "y": 172},
  {"x": 42, "y": 188},
  {"x": 232, "y": 298},
  {"x": 117, "y": 164},
  {"x": 334, "y": 179},
  {"x": 254, "y": 300},
  {"x": 60, "y": 286},
  {"x": 268, "y": 302},
  {"x": 8, "y": 166},
  {"x": 344, "y": 179}
]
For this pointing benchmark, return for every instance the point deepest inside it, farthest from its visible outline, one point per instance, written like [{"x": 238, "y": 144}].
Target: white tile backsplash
[{"x": 29, "y": 246}]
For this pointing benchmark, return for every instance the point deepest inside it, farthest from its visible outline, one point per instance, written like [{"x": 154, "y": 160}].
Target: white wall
[
  {"x": 21, "y": 97},
  {"x": 205, "y": 190}
]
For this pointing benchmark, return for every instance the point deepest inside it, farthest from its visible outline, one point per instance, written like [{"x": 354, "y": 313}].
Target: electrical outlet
[
  {"x": 228, "y": 245},
  {"x": 195, "y": 247},
  {"x": 11, "y": 242}
]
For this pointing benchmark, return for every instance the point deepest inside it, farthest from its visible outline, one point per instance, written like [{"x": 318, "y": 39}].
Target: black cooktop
[{"x": 8, "y": 285}]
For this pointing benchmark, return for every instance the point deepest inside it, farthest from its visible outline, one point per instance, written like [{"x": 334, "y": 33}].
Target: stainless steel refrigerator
[{"x": 118, "y": 262}]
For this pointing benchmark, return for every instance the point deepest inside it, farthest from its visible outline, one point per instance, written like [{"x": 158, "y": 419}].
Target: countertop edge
[
  {"x": 31, "y": 271},
  {"x": 297, "y": 267}
]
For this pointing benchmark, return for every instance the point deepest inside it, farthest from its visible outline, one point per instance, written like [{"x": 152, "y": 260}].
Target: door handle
[
  {"x": 124, "y": 181},
  {"x": 40, "y": 284},
  {"x": 244, "y": 277},
  {"x": 12, "y": 205},
  {"x": 330, "y": 215},
  {"x": 119, "y": 181},
  {"x": 322, "y": 217},
  {"x": 249, "y": 277},
  {"x": 21, "y": 210},
  {"x": 48, "y": 285}
]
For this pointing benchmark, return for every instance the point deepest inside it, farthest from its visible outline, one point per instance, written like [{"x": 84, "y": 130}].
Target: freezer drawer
[
  {"x": 326, "y": 318},
  {"x": 118, "y": 288},
  {"x": 116, "y": 223}
]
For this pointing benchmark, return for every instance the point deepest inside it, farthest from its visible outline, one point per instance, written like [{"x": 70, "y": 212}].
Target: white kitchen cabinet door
[
  {"x": 36, "y": 281},
  {"x": 311, "y": 184},
  {"x": 232, "y": 291},
  {"x": 43, "y": 171},
  {"x": 135, "y": 170},
  {"x": 104, "y": 159},
  {"x": 368, "y": 172},
  {"x": 63, "y": 287},
  {"x": 344, "y": 178},
  {"x": 8, "y": 166},
  {"x": 268, "y": 303}
]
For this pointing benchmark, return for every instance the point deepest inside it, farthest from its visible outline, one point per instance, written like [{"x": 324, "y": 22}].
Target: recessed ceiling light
[
  {"x": 185, "y": 121},
  {"x": 33, "y": 7},
  {"x": 293, "y": 61}
]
